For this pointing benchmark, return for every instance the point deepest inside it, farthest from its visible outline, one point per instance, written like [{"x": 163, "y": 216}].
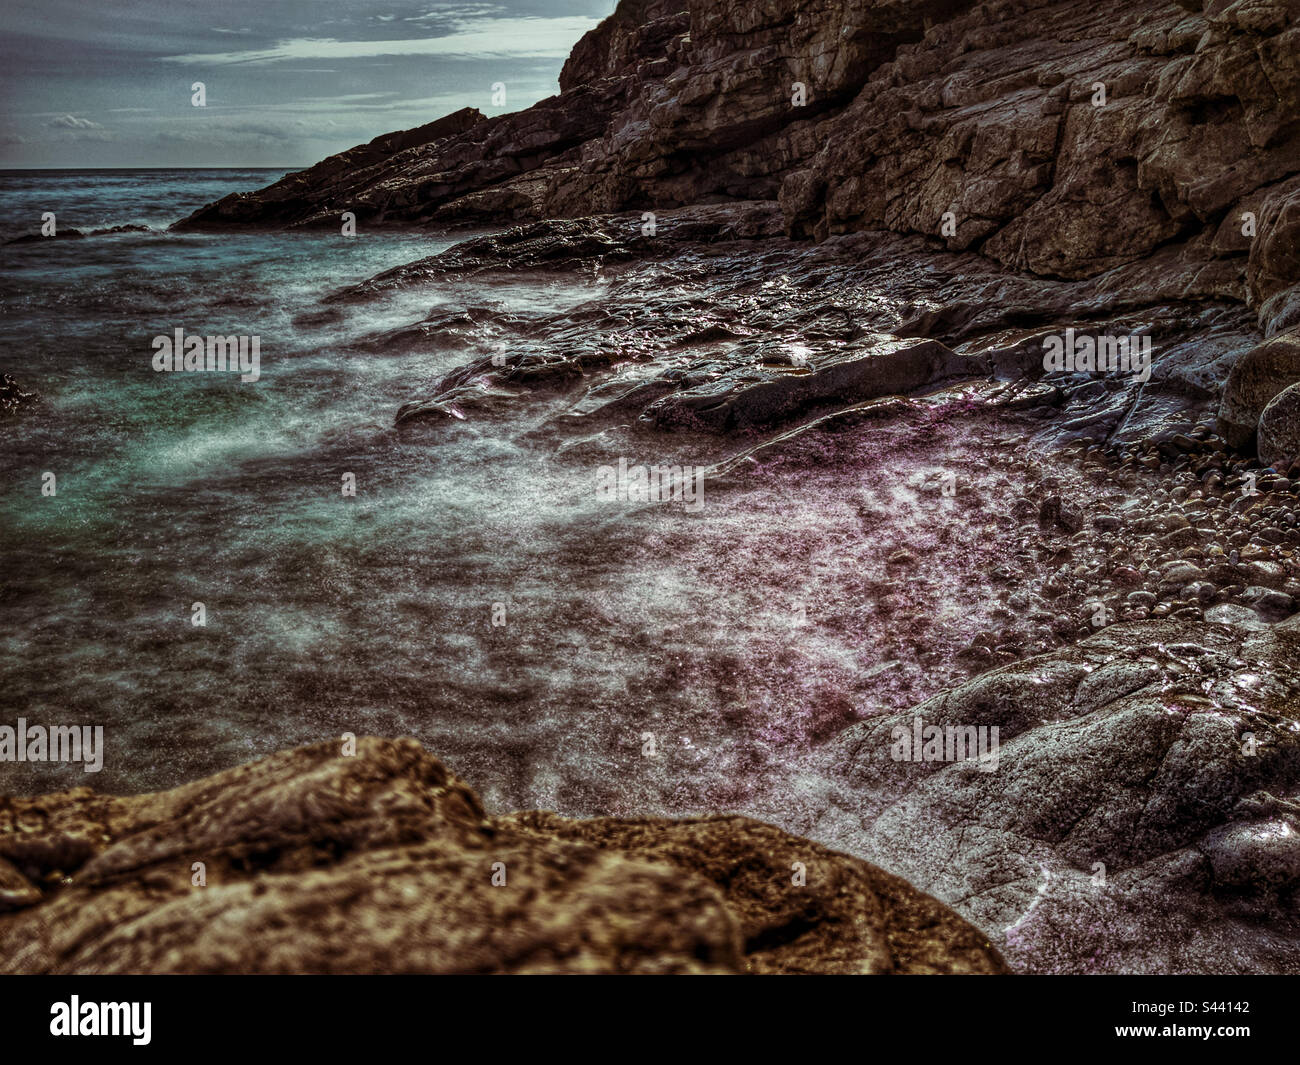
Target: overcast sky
[{"x": 107, "y": 83}]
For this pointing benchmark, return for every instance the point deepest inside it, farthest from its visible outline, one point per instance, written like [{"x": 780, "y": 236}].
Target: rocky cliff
[
  {"x": 1157, "y": 141},
  {"x": 1058, "y": 138}
]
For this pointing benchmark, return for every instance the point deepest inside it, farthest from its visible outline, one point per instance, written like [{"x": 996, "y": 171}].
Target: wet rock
[
  {"x": 13, "y": 399},
  {"x": 36, "y": 238},
  {"x": 1272, "y": 604},
  {"x": 76, "y": 234},
  {"x": 1279, "y": 429},
  {"x": 1182, "y": 573},
  {"x": 1256, "y": 378},
  {"x": 382, "y": 861},
  {"x": 749, "y": 396},
  {"x": 1233, "y": 614},
  {"x": 1121, "y": 762},
  {"x": 568, "y": 245}
]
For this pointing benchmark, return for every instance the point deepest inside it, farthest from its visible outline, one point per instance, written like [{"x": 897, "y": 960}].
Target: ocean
[
  {"x": 323, "y": 613},
  {"x": 201, "y": 586}
]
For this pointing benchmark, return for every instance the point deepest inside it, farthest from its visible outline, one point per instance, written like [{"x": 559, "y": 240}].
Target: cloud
[
  {"x": 71, "y": 128},
  {"x": 72, "y": 122},
  {"x": 487, "y": 38}
]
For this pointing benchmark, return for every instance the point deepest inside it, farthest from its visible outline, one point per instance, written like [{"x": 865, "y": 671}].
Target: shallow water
[{"x": 645, "y": 659}]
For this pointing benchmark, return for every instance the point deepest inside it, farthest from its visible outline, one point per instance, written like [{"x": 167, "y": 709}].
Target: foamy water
[{"x": 643, "y": 659}]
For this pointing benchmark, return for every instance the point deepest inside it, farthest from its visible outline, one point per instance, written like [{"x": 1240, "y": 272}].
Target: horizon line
[{"x": 39, "y": 169}]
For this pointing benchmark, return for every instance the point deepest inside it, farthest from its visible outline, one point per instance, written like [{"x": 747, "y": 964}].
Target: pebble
[
  {"x": 1182, "y": 572},
  {"x": 1127, "y": 575}
]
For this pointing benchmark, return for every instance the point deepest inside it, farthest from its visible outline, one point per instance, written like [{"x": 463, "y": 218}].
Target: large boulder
[
  {"x": 1279, "y": 429},
  {"x": 1254, "y": 380},
  {"x": 318, "y": 860}
]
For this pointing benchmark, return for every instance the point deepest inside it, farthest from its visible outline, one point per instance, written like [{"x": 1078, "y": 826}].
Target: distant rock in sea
[{"x": 12, "y": 397}]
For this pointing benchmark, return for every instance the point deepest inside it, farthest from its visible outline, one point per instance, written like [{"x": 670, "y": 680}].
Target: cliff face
[
  {"x": 999, "y": 117},
  {"x": 740, "y": 111},
  {"x": 1057, "y": 138},
  {"x": 324, "y": 859},
  {"x": 638, "y": 39}
]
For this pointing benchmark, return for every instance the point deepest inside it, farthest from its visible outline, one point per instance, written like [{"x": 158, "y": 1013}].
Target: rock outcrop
[
  {"x": 381, "y": 860},
  {"x": 1154, "y": 145}
]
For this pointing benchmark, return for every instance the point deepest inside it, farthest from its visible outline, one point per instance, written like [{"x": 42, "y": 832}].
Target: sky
[{"x": 109, "y": 83}]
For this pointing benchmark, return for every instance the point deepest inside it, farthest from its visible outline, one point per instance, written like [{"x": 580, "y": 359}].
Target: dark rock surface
[
  {"x": 76, "y": 234},
  {"x": 1279, "y": 428},
  {"x": 1256, "y": 378},
  {"x": 382, "y": 861}
]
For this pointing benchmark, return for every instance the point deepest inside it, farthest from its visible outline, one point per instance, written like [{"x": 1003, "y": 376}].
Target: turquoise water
[{"x": 324, "y": 613}]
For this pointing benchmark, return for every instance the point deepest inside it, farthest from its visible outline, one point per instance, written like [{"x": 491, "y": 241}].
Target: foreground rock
[{"x": 383, "y": 861}]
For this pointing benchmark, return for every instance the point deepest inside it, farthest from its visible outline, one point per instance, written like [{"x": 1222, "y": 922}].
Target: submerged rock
[
  {"x": 382, "y": 861},
  {"x": 12, "y": 398},
  {"x": 77, "y": 234}
]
